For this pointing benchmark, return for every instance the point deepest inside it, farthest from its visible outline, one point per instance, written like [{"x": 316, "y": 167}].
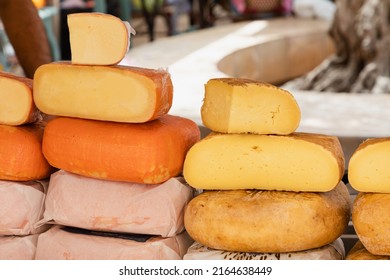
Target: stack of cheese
[
  {"x": 23, "y": 168},
  {"x": 268, "y": 192},
  {"x": 369, "y": 174},
  {"x": 118, "y": 194}
]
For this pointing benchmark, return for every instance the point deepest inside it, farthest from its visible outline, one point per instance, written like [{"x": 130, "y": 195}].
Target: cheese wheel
[
  {"x": 18, "y": 247},
  {"x": 358, "y": 252},
  {"x": 17, "y": 106},
  {"x": 110, "y": 93},
  {"x": 233, "y": 105},
  {"x": 149, "y": 153},
  {"x": 97, "y": 38},
  {"x": 267, "y": 221},
  {"x": 121, "y": 206},
  {"x": 369, "y": 166},
  {"x": 62, "y": 243},
  {"x": 370, "y": 218},
  {"x": 332, "y": 251},
  {"x": 21, "y": 157},
  {"x": 296, "y": 162}
]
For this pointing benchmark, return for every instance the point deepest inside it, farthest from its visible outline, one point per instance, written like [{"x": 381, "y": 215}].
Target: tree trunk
[{"x": 361, "y": 63}]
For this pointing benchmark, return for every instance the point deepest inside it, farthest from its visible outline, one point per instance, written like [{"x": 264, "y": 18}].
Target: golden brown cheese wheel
[
  {"x": 358, "y": 252},
  {"x": 267, "y": 221}
]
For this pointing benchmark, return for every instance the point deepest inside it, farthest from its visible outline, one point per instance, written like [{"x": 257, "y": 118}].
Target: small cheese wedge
[
  {"x": 109, "y": 93},
  {"x": 234, "y": 105},
  {"x": 97, "y": 38},
  {"x": 369, "y": 166},
  {"x": 295, "y": 162},
  {"x": 17, "y": 105}
]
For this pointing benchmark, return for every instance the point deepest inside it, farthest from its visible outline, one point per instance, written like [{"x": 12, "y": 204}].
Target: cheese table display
[{"x": 18, "y": 247}]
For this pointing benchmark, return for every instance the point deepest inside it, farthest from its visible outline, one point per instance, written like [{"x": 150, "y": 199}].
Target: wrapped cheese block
[
  {"x": 370, "y": 217},
  {"x": 233, "y": 105},
  {"x": 17, "y": 106},
  {"x": 369, "y": 166},
  {"x": 21, "y": 207},
  {"x": 296, "y": 162},
  {"x": 18, "y": 247},
  {"x": 21, "y": 157},
  {"x": 109, "y": 93},
  {"x": 332, "y": 251},
  {"x": 358, "y": 252},
  {"x": 59, "y": 243},
  {"x": 149, "y": 153},
  {"x": 267, "y": 221},
  {"x": 95, "y": 204},
  {"x": 97, "y": 38}
]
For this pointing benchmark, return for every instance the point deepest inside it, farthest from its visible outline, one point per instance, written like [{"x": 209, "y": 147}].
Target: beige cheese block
[
  {"x": 59, "y": 244},
  {"x": 17, "y": 105},
  {"x": 370, "y": 218},
  {"x": 295, "y": 162},
  {"x": 268, "y": 221},
  {"x": 107, "y": 93},
  {"x": 18, "y": 247},
  {"x": 369, "y": 166},
  {"x": 358, "y": 252},
  {"x": 88, "y": 203},
  {"x": 233, "y": 105},
  {"x": 332, "y": 251},
  {"x": 21, "y": 207},
  {"x": 97, "y": 38}
]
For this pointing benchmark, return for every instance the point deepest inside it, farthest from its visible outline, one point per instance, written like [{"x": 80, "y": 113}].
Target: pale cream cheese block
[
  {"x": 233, "y": 105},
  {"x": 108, "y": 93},
  {"x": 358, "y": 252},
  {"x": 60, "y": 243},
  {"x": 18, "y": 247},
  {"x": 295, "y": 162},
  {"x": 332, "y": 251},
  {"x": 94, "y": 204},
  {"x": 21, "y": 207},
  {"x": 17, "y": 106},
  {"x": 268, "y": 221},
  {"x": 369, "y": 166},
  {"x": 97, "y": 38},
  {"x": 370, "y": 218}
]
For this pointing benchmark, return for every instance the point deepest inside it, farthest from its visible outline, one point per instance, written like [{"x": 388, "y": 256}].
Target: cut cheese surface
[
  {"x": 97, "y": 38},
  {"x": 234, "y": 105},
  {"x": 268, "y": 221},
  {"x": 17, "y": 105},
  {"x": 149, "y": 153},
  {"x": 110, "y": 93},
  {"x": 297, "y": 162},
  {"x": 369, "y": 166}
]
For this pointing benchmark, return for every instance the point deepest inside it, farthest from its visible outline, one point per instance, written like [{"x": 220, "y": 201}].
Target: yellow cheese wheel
[
  {"x": 369, "y": 166},
  {"x": 296, "y": 162},
  {"x": 267, "y": 221},
  {"x": 233, "y": 105},
  {"x": 358, "y": 252}
]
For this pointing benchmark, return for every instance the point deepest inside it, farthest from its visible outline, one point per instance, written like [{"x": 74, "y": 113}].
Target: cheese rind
[
  {"x": 244, "y": 106},
  {"x": 109, "y": 93},
  {"x": 296, "y": 162},
  {"x": 369, "y": 166}
]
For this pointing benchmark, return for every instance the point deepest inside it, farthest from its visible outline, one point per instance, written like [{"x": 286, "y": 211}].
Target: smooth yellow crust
[{"x": 267, "y": 221}]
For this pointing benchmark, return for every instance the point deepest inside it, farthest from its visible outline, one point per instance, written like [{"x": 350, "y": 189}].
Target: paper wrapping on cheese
[
  {"x": 88, "y": 203},
  {"x": 332, "y": 251},
  {"x": 18, "y": 247},
  {"x": 359, "y": 252},
  {"x": 60, "y": 243},
  {"x": 295, "y": 162},
  {"x": 21, "y": 207}
]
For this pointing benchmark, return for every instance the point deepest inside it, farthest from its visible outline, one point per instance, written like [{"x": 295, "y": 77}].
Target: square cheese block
[
  {"x": 369, "y": 166},
  {"x": 17, "y": 106},
  {"x": 21, "y": 207},
  {"x": 109, "y": 93},
  {"x": 95, "y": 204},
  {"x": 97, "y": 38},
  {"x": 18, "y": 247},
  {"x": 149, "y": 153},
  {"x": 63, "y": 243},
  {"x": 295, "y": 162},
  {"x": 233, "y": 105}
]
